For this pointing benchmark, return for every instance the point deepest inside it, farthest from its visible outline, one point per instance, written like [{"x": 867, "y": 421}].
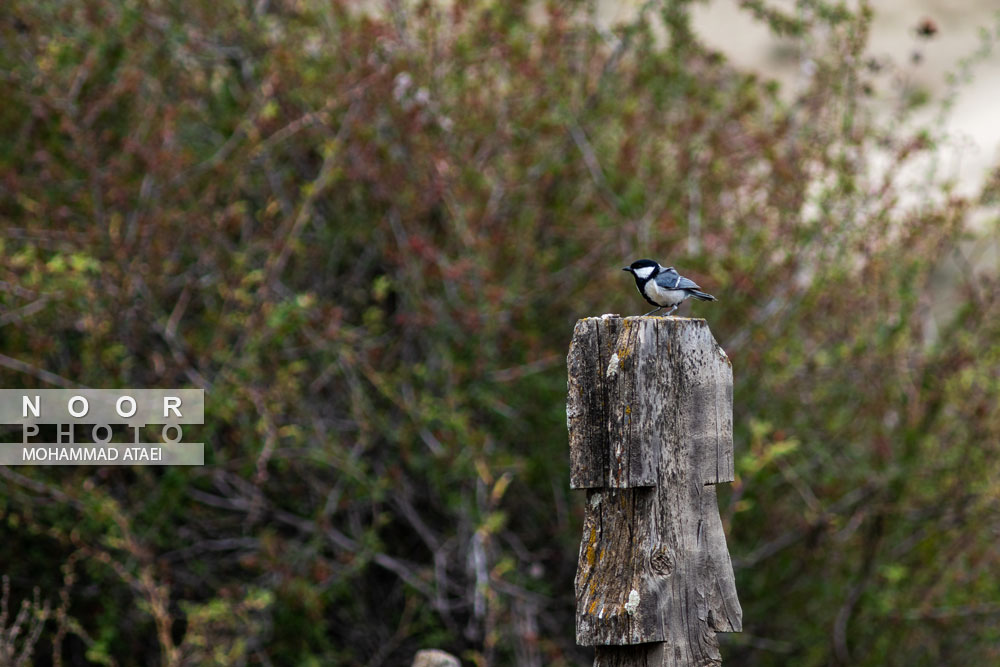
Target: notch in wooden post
[{"x": 649, "y": 414}]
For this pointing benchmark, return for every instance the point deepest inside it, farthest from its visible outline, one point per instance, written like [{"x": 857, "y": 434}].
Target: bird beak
[{"x": 626, "y": 268}]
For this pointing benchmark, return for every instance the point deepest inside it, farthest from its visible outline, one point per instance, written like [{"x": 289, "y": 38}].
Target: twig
[
  {"x": 594, "y": 167},
  {"x": 41, "y": 374},
  {"x": 25, "y": 311},
  {"x": 790, "y": 537},
  {"x": 39, "y": 487}
]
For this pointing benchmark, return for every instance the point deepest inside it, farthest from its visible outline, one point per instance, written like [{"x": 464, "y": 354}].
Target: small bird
[{"x": 662, "y": 286}]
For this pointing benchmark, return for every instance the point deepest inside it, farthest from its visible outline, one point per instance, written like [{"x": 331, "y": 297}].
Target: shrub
[{"x": 368, "y": 235}]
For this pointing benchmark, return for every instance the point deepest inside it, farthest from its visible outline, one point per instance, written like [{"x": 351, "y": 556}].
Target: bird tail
[{"x": 702, "y": 295}]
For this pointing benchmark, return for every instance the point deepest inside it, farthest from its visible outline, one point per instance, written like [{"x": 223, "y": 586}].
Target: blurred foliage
[{"x": 368, "y": 235}]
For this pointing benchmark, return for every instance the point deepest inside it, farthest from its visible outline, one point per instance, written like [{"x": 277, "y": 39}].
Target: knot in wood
[{"x": 661, "y": 562}]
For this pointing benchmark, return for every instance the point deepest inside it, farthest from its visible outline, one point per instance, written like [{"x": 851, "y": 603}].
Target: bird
[{"x": 662, "y": 286}]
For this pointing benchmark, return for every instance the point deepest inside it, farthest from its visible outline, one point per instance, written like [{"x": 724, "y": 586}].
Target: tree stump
[{"x": 649, "y": 414}]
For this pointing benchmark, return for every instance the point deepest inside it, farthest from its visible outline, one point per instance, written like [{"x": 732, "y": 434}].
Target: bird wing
[{"x": 670, "y": 279}]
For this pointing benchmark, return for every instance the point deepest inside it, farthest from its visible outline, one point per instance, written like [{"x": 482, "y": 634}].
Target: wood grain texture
[{"x": 649, "y": 413}]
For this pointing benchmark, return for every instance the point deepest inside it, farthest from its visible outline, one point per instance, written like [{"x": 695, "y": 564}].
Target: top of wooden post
[{"x": 667, "y": 373}]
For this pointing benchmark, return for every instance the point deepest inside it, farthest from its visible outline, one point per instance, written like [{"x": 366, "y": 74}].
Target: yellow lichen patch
[{"x": 623, "y": 354}]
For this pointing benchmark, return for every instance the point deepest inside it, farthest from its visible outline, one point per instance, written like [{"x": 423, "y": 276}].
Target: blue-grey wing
[{"x": 670, "y": 279}]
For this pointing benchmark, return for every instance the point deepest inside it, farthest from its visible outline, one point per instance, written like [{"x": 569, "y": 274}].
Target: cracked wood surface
[{"x": 649, "y": 414}]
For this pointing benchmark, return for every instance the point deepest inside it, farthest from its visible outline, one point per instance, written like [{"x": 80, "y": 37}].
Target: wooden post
[{"x": 651, "y": 432}]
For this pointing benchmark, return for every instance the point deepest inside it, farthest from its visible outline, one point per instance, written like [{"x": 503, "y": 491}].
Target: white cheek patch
[{"x": 644, "y": 272}]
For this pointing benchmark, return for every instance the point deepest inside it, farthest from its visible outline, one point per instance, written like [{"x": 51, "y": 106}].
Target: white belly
[{"x": 664, "y": 297}]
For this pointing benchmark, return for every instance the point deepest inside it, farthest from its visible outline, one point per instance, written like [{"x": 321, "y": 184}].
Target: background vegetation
[{"x": 368, "y": 235}]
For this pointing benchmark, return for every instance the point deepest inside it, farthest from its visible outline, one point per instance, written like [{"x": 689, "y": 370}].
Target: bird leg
[
  {"x": 653, "y": 311},
  {"x": 671, "y": 310}
]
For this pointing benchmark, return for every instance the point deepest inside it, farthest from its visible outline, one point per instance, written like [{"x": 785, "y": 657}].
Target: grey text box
[
  {"x": 103, "y": 406},
  {"x": 120, "y": 454}
]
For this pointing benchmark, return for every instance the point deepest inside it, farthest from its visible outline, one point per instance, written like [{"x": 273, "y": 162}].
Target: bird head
[{"x": 642, "y": 268}]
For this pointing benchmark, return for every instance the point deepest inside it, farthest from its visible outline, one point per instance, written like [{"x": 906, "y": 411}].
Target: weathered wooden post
[{"x": 651, "y": 432}]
